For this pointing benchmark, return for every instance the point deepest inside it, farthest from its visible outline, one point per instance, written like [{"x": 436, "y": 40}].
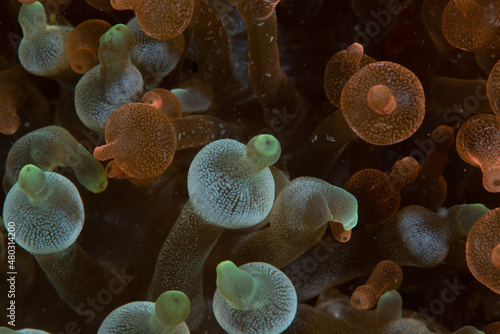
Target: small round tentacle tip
[
  {"x": 118, "y": 37},
  {"x": 355, "y": 52},
  {"x": 381, "y": 100},
  {"x": 104, "y": 152},
  {"x": 194, "y": 95},
  {"x": 236, "y": 286},
  {"x": 98, "y": 185},
  {"x": 166, "y": 315},
  {"x": 495, "y": 256},
  {"x": 83, "y": 59},
  {"x": 491, "y": 179},
  {"x": 164, "y": 100},
  {"x": 113, "y": 171},
  {"x": 172, "y": 308},
  {"x": 32, "y": 182},
  {"x": 363, "y": 298},
  {"x": 339, "y": 232},
  {"x": 9, "y": 122},
  {"x": 32, "y": 15},
  {"x": 263, "y": 150}
]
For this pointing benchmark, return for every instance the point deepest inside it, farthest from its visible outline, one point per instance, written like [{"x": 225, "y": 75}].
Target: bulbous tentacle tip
[
  {"x": 364, "y": 297},
  {"x": 235, "y": 285},
  {"x": 468, "y": 214},
  {"x": 350, "y": 224},
  {"x": 390, "y": 300},
  {"x": 355, "y": 48},
  {"x": 9, "y": 123},
  {"x": 225, "y": 266},
  {"x": 99, "y": 185},
  {"x": 339, "y": 232},
  {"x": 381, "y": 100},
  {"x": 83, "y": 60},
  {"x": 152, "y": 98},
  {"x": 33, "y": 13},
  {"x": 164, "y": 100},
  {"x": 491, "y": 180},
  {"x": 118, "y": 37},
  {"x": 264, "y": 150},
  {"x": 495, "y": 256},
  {"x": 31, "y": 180},
  {"x": 113, "y": 171},
  {"x": 172, "y": 308}
]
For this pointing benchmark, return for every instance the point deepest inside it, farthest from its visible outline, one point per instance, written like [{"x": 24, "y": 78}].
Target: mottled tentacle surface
[
  {"x": 298, "y": 220},
  {"x": 49, "y": 148}
]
